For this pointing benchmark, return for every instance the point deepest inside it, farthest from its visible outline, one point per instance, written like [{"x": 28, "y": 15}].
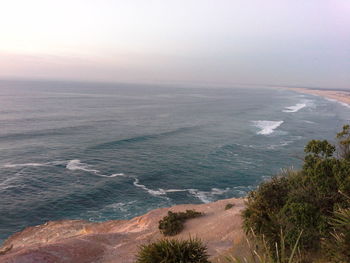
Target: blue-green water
[{"x": 98, "y": 152}]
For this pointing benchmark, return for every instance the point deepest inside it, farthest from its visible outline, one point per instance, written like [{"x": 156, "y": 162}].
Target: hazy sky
[{"x": 281, "y": 42}]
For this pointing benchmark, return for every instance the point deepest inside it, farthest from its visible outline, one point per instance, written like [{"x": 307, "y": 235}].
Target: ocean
[{"x": 97, "y": 152}]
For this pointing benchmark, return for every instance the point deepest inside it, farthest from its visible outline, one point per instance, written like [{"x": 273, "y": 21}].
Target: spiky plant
[
  {"x": 338, "y": 246},
  {"x": 173, "y": 251},
  {"x": 260, "y": 252}
]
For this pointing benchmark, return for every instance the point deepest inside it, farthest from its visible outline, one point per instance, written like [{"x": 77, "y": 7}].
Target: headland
[{"x": 117, "y": 241}]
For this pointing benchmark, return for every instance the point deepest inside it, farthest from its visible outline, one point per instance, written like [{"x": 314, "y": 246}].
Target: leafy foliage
[
  {"x": 303, "y": 200},
  {"x": 173, "y": 251},
  {"x": 173, "y": 223}
]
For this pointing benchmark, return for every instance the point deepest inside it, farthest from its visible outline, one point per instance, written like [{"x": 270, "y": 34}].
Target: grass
[{"x": 260, "y": 252}]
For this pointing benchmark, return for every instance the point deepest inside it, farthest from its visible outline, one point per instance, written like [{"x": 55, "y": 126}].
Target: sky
[{"x": 258, "y": 42}]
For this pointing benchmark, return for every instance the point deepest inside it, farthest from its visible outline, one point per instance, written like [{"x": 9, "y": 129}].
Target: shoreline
[
  {"x": 114, "y": 241},
  {"x": 340, "y": 96}
]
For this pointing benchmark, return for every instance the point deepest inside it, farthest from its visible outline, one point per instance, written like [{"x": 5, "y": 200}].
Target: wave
[
  {"x": 207, "y": 196},
  {"x": 44, "y": 132},
  {"x": 77, "y": 165},
  {"x": 309, "y": 122},
  {"x": 19, "y": 165},
  {"x": 267, "y": 127},
  {"x": 158, "y": 192},
  {"x": 340, "y": 102},
  {"x": 23, "y": 165},
  {"x": 150, "y": 191},
  {"x": 73, "y": 165},
  {"x": 143, "y": 138},
  {"x": 295, "y": 108},
  {"x": 204, "y": 196}
]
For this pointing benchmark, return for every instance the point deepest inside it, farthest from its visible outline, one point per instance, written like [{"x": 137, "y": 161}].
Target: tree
[{"x": 344, "y": 142}]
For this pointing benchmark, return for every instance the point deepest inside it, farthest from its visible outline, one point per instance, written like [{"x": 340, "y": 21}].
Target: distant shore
[{"x": 341, "y": 96}]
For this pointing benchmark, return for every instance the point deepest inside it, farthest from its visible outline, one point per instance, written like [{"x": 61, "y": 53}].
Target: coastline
[
  {"x": 118, "y": 241},
  {"x": 340, "y": 96}
]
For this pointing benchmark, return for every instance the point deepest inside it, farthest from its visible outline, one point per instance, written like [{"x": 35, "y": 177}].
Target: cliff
[{"x": 117, "y": 241}]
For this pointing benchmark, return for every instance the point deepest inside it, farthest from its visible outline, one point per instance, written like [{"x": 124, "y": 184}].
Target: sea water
[{"x": 114, "y": 151}]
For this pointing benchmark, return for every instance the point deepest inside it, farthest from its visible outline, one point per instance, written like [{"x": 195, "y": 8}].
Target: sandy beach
[{"x": 337, "y": 95}]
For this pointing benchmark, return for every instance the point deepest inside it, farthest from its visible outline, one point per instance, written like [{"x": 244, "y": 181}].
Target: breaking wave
[
  {"x": 207, "y": 196},
  {"x": 267, "y": 127},
  {"x": 19, "y": 165},
  {"x": 72, "y": 165},
  {"x": 204, "y": 196},
  {"x": 295, "y": 108},
  {"x": 77, "y": 165}
]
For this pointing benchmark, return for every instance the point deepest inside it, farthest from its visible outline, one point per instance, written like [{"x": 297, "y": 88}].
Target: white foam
[
  {"x": 295, "y": 108},
  {"x": 150, "y": 191},
  {"x": 18, "y": 165},
  {"x": 204, "y": 196},
  {"x": 158, "y": 192},
  {"x": 73, "y": 165},
  {"x": 77, "y": 165},
  {"x": 118, "y": 174},
  {"x": 267, "y": 127},
  {"x": 207, "y": 196},
  {"x": 201, "y": 195}
]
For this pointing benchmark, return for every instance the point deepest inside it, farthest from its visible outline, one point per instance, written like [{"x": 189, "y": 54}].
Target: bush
[
  {"x": 229, "y": 206},
  {"x": 302, "y": 200},
  {"x": 263, "y": 206},
  {"x": 173, "y": 223},
  {"x": 173, "y": 251}
]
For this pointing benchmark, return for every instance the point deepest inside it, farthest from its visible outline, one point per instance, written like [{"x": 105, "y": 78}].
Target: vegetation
[
  {"x": 260, "y": 252},
  {"x": 296, "y": 217},
  {"x": 306, "y": 201},
  {"x": 337, "y": 247},
  {"x": 229, "y": 206},
  {"x": 173, "y": 223},
  {"x": 173, "y": 251}
]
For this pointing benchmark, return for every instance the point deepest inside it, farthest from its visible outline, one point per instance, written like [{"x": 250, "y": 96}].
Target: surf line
[{"x": 77, "y": 165}]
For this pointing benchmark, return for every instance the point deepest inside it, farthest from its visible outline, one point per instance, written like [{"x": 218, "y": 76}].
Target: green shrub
[
  {"x": 302, "y": 200},
  {"x": 263, "y": 207},
  {"x": 229, "y": 206},
  {"x": 173, "y": 251},
  {"x": 173, "y": 223}
]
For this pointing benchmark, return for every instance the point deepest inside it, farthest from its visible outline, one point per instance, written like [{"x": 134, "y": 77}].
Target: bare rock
[{"x": 117, "y": 241}]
